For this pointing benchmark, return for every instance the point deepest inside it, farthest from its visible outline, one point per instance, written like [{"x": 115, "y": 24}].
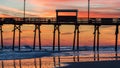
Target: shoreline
[
  {"x": 12, "y": 55},
  {"x": 23, "y": 55}
]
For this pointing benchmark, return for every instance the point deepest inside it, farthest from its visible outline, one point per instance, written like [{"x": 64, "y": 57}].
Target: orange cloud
[
  {"x": 46, "y": 8},
  {"x": 15, "y": 12},
  {"x": 5, "y": 15}
]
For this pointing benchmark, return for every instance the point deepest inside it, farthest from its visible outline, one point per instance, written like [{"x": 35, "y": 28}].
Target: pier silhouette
[{"x": 60, "y": 20}]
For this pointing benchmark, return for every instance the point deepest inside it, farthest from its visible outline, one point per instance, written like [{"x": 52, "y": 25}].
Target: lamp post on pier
[
  {"x": 24, "y": 10},
  {"x": 88, "y": 10}
]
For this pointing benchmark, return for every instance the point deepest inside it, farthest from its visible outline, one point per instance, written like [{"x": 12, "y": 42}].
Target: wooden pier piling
[
  {"x": 1, "y": 32},
  {"x": 54, "y": 37},
  {"x": 37, "y": 28},
  {"x": 16, "y": 27},
  {"x": 76, "y": 37},
  {"x": 56, "y": 28}
]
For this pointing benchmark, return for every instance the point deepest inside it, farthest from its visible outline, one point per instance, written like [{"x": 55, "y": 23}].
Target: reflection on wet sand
[
  {"x": 96, "y": 56},
  {"x": 56, "y": 61},
  {"x": 47, "y": 62}
]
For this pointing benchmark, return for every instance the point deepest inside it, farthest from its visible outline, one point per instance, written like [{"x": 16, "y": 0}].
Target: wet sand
[{"x": 97, "y": 64}]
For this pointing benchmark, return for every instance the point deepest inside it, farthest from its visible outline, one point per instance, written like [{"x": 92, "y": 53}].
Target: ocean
[{"x": 46, "y": 58}]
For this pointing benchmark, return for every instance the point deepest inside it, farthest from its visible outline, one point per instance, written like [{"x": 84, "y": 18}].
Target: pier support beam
[
  {"x": 74, "y": 40},
  {"x": 116, "y": 40},
  {"x": 56, "y": 27},
  {"x": 78, "y": 38},
  {"x": 37, "y": 27},
  {"x": 98, "y": 37},
  {"x": 16, "y": 27},
  {"x": 1, "y": 32},
  {"x": 96, "y": 41}
]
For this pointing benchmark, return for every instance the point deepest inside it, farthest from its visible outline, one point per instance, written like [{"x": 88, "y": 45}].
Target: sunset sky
[{"x": 46, "y": 8}]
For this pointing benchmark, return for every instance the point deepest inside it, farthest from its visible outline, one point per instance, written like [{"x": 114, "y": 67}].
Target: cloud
[
  {"x": 98, "y": 8},
  {"x": 46, "y": 8},
  {"x": 15, "y": 12},
  {"x": 5, "y": 15}
]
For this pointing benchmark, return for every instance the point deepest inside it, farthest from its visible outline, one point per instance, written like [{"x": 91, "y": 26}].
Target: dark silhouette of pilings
[
  {"x": 58, "y": 38},
  {"x": 54, "y": 37},
  {"x": 116, "y": 40},
  {"x": 16, "y": 27},
  {"x": 96, "y": 40},
  {"x": 1, "y": 32},
  {"x": 95, "y": 32},
  {"x": 37, "y": 27},
  {"x": 98, "y": 36},
  {"x": 74, "y": 40},
  {"x": 56, "y": 28},
  {"x": 78, "y": 37}
]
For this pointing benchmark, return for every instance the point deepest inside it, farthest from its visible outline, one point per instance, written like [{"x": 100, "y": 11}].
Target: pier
[{"x": 37, "y": 22}]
